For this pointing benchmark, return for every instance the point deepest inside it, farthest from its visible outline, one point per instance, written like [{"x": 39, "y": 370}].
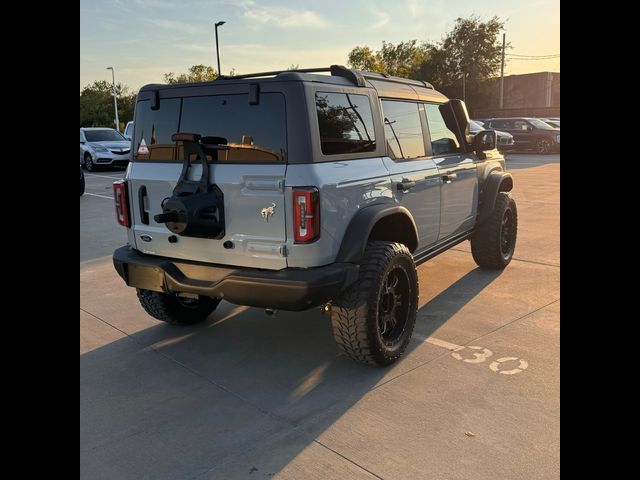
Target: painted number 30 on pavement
[{"x": 475, "y": 354}]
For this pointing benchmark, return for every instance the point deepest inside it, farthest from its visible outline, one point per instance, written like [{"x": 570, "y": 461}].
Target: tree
[
  {"x": 363, "y": 58},
  {"x": 402, "y": 60},
  {"x": 472, "y": 48},
  {"x": 96, "y": 105},
  {"x": 196, "y": 73}
]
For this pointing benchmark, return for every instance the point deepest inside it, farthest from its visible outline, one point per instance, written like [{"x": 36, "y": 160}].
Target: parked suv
[
  {"x": 101, "y": 147},
  {"x": 505, "y": 140},
  {"x": 528, "y": 133},
  {"x": 291, "y": 190}
]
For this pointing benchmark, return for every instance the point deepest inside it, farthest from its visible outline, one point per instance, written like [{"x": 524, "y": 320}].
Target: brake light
[
  {"x": 306, "y": 214},
  {"x": 122, "y": 203},
  {"x": 185, "y": 137}
]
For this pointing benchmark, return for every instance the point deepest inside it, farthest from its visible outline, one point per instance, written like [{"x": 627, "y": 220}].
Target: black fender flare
[
  {"x": 355, "y": 238},
  {"x": 497, "y": 181}
]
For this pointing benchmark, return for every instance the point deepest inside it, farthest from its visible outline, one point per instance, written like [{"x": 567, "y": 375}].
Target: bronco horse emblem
[{"x": 268, "y": 211}]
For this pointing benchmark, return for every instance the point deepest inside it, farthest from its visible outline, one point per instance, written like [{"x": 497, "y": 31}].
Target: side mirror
[{"x": 485, "y": 140}]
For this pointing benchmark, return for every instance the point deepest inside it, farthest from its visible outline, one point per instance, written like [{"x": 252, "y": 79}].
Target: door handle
[
  {"x": 142, "y": 196},
  {"x": 447, "y": 177},
  {"x": 405, "y": 185}
]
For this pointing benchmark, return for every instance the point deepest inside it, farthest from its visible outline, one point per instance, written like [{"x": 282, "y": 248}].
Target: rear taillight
[
  {"x": 122, "y": 203},
  {"x": 306, "y": 214}
]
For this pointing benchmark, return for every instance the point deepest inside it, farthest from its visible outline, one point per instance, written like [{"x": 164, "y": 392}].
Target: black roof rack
[
  {"x": 385, "y": 77},
  {"x": 336, "y": 70},
  {"x": 355, "y": 76}
]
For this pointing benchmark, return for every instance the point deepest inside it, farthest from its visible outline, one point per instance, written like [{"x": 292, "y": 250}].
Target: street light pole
[
  {"x": 393, "y": 130},
  {"x": 218, "y": 24},
  {"x": 501, "y": 104},
  {"x": 115, "y": 99}
]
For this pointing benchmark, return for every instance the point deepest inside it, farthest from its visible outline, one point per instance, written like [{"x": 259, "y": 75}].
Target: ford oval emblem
[{"x": 146, "y": 238}]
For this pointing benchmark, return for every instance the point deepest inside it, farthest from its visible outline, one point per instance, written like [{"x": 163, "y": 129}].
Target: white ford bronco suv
[{"x": 297, "y": 189}]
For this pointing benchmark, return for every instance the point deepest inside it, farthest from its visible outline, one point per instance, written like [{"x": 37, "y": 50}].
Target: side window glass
[
  {"x": 403, "y": 129},
  {"x": 442, "y": 129}
]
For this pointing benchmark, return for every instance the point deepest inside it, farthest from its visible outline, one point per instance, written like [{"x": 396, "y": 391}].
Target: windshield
[
  {"x": 103, "y": 136},
  {"x": 540, "y": 124}
]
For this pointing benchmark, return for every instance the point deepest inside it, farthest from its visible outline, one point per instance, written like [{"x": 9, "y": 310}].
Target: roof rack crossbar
[
  {"x": 273, "y": 73},
  {"x": 335, "y": 70},
  {"x": 388, "y": 78}
]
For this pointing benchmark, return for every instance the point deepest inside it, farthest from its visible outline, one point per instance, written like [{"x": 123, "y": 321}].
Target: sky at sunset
[{"x": 143, "y": 39}]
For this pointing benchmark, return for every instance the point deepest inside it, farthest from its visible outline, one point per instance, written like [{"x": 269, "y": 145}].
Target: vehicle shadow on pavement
[
  {"x": 243, "y": 394},
  {"x": 520, "y": 160}
]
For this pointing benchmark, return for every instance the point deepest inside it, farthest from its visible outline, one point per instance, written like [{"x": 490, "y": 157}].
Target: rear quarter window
[{"x": 345, "y": 123}]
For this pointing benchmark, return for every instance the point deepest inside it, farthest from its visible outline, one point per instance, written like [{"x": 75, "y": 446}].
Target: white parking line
[
  {"x": 438, "y": 342},
  {"x": 96, "y": 195},
  {"x": 103, "y": 176}
]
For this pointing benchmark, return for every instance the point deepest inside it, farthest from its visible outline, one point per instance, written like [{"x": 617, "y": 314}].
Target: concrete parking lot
[{"x": 244, "y": 395}]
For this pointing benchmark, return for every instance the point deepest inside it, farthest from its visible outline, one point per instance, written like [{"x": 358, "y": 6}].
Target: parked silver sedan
[{"x": 103, "y": 147}]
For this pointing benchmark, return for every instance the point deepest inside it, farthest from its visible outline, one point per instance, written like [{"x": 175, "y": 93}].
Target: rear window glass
[
  {"x": 252, "y": 133},
  {"x": 345, "y": 122},
  {"x": 247, "y": 133},
  {"x": 154, "y": 129}
]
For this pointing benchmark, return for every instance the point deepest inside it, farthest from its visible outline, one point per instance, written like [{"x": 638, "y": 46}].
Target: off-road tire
[
  {"x": 169, "y": 308},
  {"x": 493, "y": 243},
  {"x": 357, "y": 314}
]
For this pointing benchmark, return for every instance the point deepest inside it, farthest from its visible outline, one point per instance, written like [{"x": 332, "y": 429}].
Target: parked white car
[{"x": 103, "y": 147}]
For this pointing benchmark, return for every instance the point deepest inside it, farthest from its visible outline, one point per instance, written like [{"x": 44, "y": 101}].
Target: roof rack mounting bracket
[{"x": 354, "y": 76}]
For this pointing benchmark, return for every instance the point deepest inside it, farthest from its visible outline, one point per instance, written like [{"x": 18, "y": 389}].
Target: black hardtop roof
[{"x": 386, "y": 85}]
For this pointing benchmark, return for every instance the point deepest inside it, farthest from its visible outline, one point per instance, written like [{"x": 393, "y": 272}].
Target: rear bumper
[{"x": 287, "y": 289}]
